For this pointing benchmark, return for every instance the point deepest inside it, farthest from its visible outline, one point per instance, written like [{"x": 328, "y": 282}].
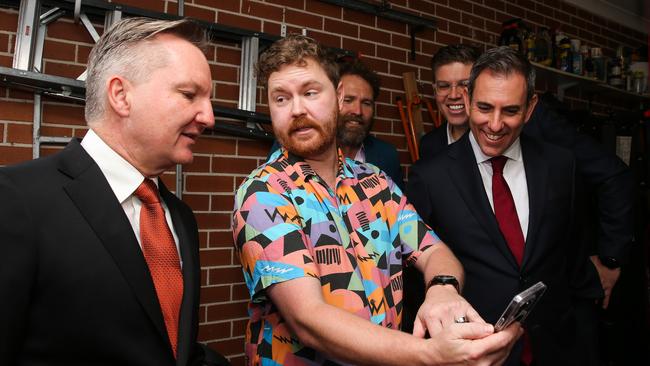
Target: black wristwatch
[
  {"x": 444, "y": 280},
  {"x": 609, "y": 262}
]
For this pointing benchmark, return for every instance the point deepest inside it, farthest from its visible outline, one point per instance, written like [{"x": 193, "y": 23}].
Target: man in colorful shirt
[{"x": 323, "y": 239}]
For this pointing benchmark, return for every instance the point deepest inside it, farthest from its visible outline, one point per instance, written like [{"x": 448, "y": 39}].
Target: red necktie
[
  {"x": 506, "y": 213},
  {"x": 161, "y": 255},
  {"x": 505, "y": 210}
]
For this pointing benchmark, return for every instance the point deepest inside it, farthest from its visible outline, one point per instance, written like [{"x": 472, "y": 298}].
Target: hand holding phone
[{"x": 520, "y": 306}]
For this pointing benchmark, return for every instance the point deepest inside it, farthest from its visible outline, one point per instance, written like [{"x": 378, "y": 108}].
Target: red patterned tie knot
[{"x": 147, "y": 192}]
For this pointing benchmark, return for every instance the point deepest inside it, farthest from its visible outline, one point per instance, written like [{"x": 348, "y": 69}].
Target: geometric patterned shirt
[{"x": 354, "y": 238}]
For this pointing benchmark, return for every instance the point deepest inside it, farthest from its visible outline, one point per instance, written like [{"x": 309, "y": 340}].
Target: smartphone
[{"x": 520, "y": 306}]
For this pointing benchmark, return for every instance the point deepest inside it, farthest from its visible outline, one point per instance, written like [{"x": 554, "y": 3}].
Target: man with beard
[
  {"x": 361, "y": 88},
  {"x": 323, "y": 239}
]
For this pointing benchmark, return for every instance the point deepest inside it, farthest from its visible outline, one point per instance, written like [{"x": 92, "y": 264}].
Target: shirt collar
[
  {"x": 123, "y": 177},
  {"x": 303, "y": 168},
  {"x": 512, "y": 152}
]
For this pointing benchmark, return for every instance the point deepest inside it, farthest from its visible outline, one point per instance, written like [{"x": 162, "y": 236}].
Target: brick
[
  {"x": 214, "y": 331},
  {"x": 568, "y": 8},
  {"x": 4, "y": 42},
  {"x": 342, "y": 28},
  {"x": 157, "y": 5},
  {"x": 63, "y": 114},
  {"x": 198, "y": 202},
  {"x": 200, "y": 164},
  {"x": 472, "y": 21},
  {"x": 195, "y": 12},
  {"x": 461, "y": 30},
  {"x": 483, "y": 12},
  {"x": 365, "y": 48},
  {"x": 227, "y": 311},
  {"x": 213, "y": 220},
  {"x": 228, "y": 55},
  {"x": 239, "y": 326},
  {"x": 253, "y": 148},
  {"x": 561, "y": 16},
  {"x": 303, "y": 19},
  {"x": 212, "y": 145},
  {"x": 447, "y": 13},
  {"x": 16, "y": 111},
  {"x": 82, "y": 54},
  {"x": 230, "y": 165},
  {"x": 208, "y": 183},
  {"x": 19, "y": 133},
  {"x": 14, "y": 154},
  {"x": 401, "y": 41},
  {"x": 390, "y": 53},
  {"x": 271, "y": 28},
  {"x": 169, "y": 179},
  {"x": 59, "y": 50},
  {"x": 447, "y": 39},
  {"x": 327, "y": 39},
  {"x": 294, "y": 4},
  {"x": 393, "y": 83},
  {"x": 225, "y": 275},
  {"x": 533, "y": 17},
  {"x": 227, "y": 91},
  {"x": 6, "y": 61},
  {"x": 215, "y": 257},
  {"x": 359, "y": 17},
  {"x": 391, "y": 25},
  {"x": 220, "y": 239},
  {"x": 239, "y": 21},
  {"x": 2, "y": 133},
  {"x": 64, "y": 29},
  {"x": 224, "y": 73},
  {"x": 495, "y": 4},
  {"x": 389, "y": 111},
  {"x": 223, "y": 202},
  {"x": 380, "y": 125},
  {"x": 515, "y": 11},
  {"x": 61, "y": 69},
  {"x": 230, "y": 5},
  {"x": 215, "y": 293},
  {"x": 374, "y": 35},
  {"x": 398, "y": 69},
  {"x": 262, "y": 10},
  {"x": 423, "y": 6},
  {"x": 8, "y": 20},
  {"x": 230, "y": 348},
  {"x": 240, "y": 292},
  {"x": 462, "y": 5},
  {"x": 377, "y": 64}
]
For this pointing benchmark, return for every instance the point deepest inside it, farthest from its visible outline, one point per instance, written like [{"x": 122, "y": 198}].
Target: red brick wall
[{"x": 223, "y": 161}]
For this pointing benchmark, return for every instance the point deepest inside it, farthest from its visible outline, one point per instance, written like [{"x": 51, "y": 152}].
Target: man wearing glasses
[{"x": 451, "y": 66}]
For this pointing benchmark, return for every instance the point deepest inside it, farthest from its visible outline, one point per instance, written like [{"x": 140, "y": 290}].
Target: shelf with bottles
[{"x": 566, "y": 80}]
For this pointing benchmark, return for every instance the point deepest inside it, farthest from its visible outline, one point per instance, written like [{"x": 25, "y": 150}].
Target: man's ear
[
  {"x": 531, "y": 107},
  {"x": 118, "y": 95},
  {"x": 466, "y": 101},
  {"x": 340, "y": 94}
]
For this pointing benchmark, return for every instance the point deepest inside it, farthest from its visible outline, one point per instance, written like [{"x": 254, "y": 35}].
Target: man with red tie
[
  {"x": 504, "y": 203},
  {"x": 100, "y": 261}
]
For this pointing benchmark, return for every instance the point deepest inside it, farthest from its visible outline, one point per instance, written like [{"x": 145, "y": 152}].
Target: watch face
[{"x": 609, "y": 262}]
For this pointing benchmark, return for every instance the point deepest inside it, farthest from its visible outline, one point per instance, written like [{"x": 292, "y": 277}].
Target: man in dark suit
[
  {"x": 607, "y": 178},
  {"x": 361, "y": 88},
  {"x": 100, "y": 260},
  {"x": 514, "y": 225}
]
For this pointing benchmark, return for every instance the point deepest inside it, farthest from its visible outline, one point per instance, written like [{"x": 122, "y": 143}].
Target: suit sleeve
[
  {"x": 607, "y": 176},
  {"x": 17, "y": 271},
  {"x": 418, "y": 192}
]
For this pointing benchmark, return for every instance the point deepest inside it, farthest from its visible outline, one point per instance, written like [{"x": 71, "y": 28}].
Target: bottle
[
  {"x": 563, "y": 52},
  {"x": 530, "y": 46},
  {"x": 576, "y": 57},
  {"x": 598, "y": 60},
  {"x": 544, "y": 47},
  {"x": 587, "y": 63},
  {"x": 510, "y": 35},
  {"x": 616, "y": 73}
]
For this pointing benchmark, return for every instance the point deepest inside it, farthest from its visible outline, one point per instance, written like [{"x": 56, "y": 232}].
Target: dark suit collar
[
  {"x": 467, "y": 178},
  {"x": 537, "y": 171},
  {"x": 91, "y": 193}
]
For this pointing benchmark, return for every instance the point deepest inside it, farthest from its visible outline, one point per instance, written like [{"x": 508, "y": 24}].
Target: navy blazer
[{"x": 458, "y": 210}]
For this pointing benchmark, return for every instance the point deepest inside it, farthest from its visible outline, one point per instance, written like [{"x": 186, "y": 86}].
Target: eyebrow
[{"x": 305, "y": 85}]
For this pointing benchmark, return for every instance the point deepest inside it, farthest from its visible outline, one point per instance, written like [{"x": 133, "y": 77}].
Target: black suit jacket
[
  {"x": 608, "y": 180},
  {"x": 74, "y": 284},
  {"x": 448, "y": 193}
]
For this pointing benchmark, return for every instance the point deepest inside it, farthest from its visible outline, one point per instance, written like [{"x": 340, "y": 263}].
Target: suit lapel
[
  {"x": 537, "y": 171},
  {"x": 188, "y": 249},
  {"x": 467, "y": 178},
  {"x": 94, "y": 198}
]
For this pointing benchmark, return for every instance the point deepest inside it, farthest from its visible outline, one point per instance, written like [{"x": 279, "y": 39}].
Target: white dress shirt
[
  {"x": 514, "y": 174},
  {"x": 124, "y": 179},
  {"x": 450, "y": 136}
]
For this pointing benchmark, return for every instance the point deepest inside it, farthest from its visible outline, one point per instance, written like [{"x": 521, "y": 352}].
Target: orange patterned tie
[{"x": 161, "y": 255}]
